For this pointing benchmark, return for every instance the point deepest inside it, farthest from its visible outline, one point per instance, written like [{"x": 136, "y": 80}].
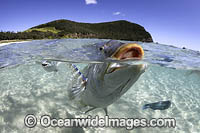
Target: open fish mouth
[
  {"x": 126, "y": 51},
  {"x": 129, "y": 51}
]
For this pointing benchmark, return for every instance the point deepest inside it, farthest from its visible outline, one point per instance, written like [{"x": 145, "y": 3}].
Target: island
[{"x": 118, "y": 30}]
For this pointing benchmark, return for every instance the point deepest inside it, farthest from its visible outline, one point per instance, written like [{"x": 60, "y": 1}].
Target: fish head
[
  {"x": 109, "y": 48},
  {"x": 110, "y": 80},
  {"x": 46, "y": 63},
  {"x": 122, "y": 51},
  {"x": 49, "y": 66}
]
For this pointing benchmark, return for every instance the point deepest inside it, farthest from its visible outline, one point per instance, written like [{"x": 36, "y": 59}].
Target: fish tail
[{"x": 146, "y": 106}]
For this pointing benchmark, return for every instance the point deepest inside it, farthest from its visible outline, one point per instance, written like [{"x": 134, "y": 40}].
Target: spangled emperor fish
[{"x": 102, "y": 84}]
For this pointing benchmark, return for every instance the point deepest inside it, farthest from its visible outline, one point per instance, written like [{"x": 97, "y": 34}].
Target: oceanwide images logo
[{"x": 46, "y": 121}]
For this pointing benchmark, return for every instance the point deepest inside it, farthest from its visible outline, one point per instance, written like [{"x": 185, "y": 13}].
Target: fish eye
[
  {"x": 44, "y": 64},
  {"x": 101, "y": 48}
]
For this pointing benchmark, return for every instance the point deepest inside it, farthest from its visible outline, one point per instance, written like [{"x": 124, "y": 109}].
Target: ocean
[{"x": 26, "y": 88}]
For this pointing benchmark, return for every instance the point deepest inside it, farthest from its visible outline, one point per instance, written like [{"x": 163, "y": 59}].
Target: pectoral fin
[
  {"x": 90, "y": 110},
  {"x": 78, "y": 84},
  {"x": 105, "y": 109}
]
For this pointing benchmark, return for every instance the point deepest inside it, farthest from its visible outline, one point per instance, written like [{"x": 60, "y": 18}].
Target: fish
[
  {"x": 161, "y": 105},
  {"x": 49, "y": 66},
  {"x": 193, "y": 72},
  {"x": 101, "y": 84}
]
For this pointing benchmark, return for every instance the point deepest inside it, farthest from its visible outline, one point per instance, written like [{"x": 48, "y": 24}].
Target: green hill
[{"x": 119, "y": 30}]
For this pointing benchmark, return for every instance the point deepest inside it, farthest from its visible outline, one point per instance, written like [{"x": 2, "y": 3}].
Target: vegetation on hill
[
  {"x": 46, "y": 29},
  {"x": 119, "y": 30}
]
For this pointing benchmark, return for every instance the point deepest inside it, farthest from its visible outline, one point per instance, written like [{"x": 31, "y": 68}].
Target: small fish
[
  {"x": 49, "y": 66},
  {"x": 193, "y": 72},
  {"x": 162, "y": 105},
  {"x": 99, "y": 85},
  {"x": 166, "y": 58}
]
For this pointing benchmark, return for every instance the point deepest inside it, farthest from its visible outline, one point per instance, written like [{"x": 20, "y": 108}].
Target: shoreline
[{"x": 7, "y": 42}]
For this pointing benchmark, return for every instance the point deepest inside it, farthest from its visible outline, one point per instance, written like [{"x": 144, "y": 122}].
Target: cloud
[
  {"x": 116, "y": 13},
  {"x": 90, "y": 2}
]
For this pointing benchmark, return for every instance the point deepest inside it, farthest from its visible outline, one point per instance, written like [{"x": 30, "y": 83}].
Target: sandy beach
[{"x": 7, "y": 42}]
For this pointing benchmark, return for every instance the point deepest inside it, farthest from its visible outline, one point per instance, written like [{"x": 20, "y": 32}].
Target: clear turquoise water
[{"x": 26, "y": 88}]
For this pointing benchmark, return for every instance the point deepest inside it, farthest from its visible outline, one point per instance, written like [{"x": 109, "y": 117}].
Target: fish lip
[
  {"x": 126, "y": 51},
  {"x": 129, "y": 51}
]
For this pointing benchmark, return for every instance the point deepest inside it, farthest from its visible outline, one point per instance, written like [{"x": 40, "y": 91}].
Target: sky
[{"x": 171, "y": 22}]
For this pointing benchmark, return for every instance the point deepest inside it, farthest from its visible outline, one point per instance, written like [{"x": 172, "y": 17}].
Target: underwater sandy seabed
[{"x": 28, "y": 89}]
